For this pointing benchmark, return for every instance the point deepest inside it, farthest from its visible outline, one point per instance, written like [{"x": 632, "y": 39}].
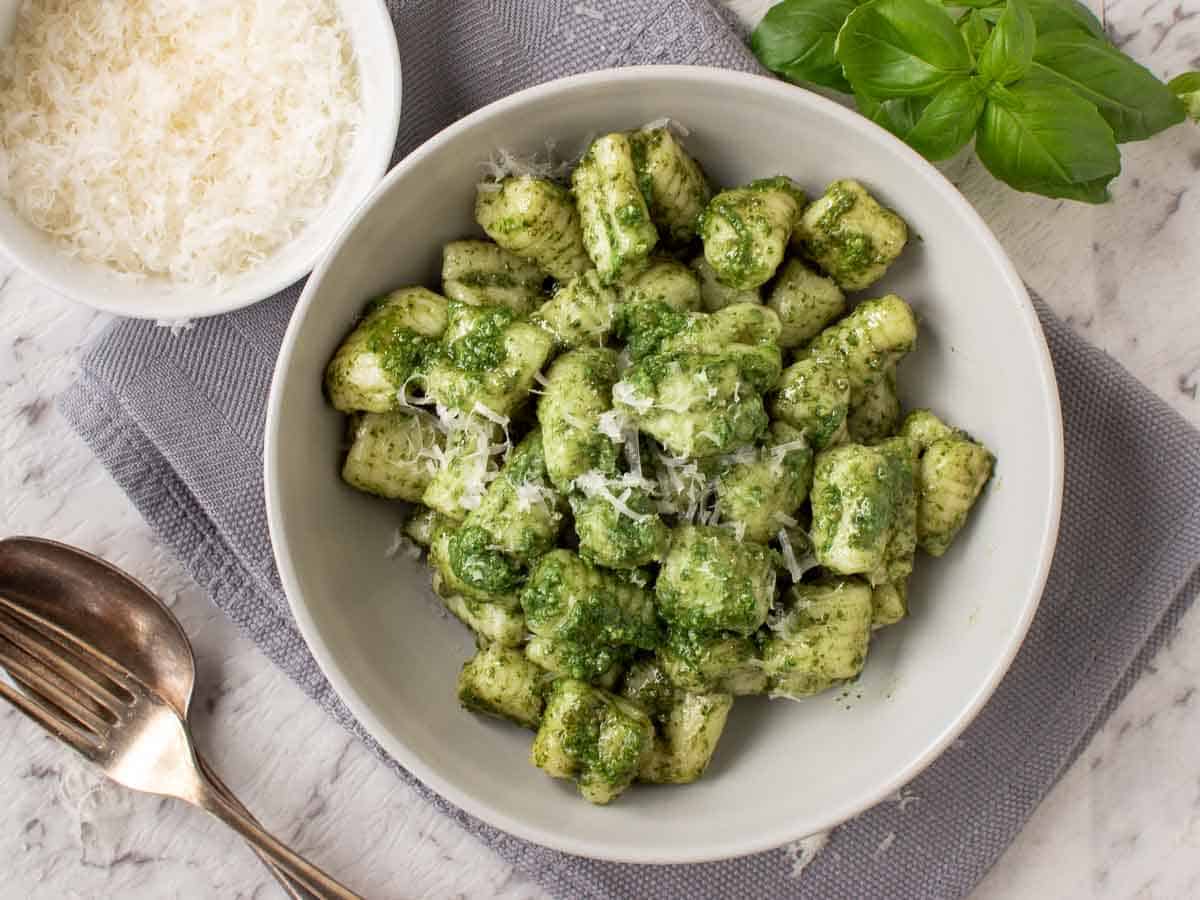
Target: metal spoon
[{"x": 87, "y": 597}]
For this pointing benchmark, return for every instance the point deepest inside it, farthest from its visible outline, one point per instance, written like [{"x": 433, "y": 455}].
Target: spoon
[{"x": 88, "y": 597}]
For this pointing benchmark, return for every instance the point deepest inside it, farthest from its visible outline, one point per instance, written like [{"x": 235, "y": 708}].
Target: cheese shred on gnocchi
[{"x": 710, "y": 493}]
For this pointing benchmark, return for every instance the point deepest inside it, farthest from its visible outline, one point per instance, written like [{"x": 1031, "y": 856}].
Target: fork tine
[
  {"x": 36, "y": 682},
  {"x": 49, "y": 718},
  {"x": 85, "y": 668}
]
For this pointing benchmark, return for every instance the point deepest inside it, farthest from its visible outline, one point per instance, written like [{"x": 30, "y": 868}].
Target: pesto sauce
[
  {"x": 645, "y": 326},
  {"x": 482, "y": 348},
  {"x": 478, "y": 565}
]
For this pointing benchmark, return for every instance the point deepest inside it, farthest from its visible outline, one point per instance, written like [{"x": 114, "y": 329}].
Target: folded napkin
[{"x": 178, "y": 421}]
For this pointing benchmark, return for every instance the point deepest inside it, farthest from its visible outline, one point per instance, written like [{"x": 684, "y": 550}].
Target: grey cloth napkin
[{"x": 178, "y": 421}]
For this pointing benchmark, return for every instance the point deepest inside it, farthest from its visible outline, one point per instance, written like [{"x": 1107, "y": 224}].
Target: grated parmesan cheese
[
  {"x": 613, "y": 425},
  {"x": 796, "y": 567},
  {"x": 624, "y": 392},
  {"x": 593, "y": 483},
  {"x": 186, "y": 140}
]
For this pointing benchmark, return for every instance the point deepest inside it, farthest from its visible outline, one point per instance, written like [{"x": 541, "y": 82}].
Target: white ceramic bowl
[
  {"x": 782, "y": 770},
  {"x": 374, "y": 41}
]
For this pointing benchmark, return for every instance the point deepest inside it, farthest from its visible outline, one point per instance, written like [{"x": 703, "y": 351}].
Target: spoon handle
[
  {"x": 296, "y": 867},
  {"x": 293, "y": 889}
]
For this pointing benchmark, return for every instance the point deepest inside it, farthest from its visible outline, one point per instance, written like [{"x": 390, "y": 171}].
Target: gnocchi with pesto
[{"x": 654, "y": 449}]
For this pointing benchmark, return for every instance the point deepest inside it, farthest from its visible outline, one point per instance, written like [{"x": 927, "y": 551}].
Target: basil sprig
[{"x": 1036, "y": 83}]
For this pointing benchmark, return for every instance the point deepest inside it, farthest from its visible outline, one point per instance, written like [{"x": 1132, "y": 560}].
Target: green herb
[
  {"x": 937, "y": 127},
  {"x": 1008, "y": 52},
  {"x": 901, "y": 48},
  {"x": 1187, "y": 88},
  {"x": 1038, "y": 85},
  {"x": 975, "y": 29},
  {"x": 795, "y": 40},
  {"x": 1135, "y": 104},
  {"x": 1064, "y": 15},
  {"x": 1044, "y": 138}
]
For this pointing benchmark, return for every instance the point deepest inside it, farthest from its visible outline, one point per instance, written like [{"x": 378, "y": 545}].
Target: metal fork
[{"x": 101, "y": 710}]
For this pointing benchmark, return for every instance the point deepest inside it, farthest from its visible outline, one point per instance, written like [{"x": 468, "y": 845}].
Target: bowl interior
[
  {"x": 374, "y": 40},
  {"x": 782, "y": 770}
]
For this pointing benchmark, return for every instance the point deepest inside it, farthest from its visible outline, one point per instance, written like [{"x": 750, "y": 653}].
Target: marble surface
[{"x": 1123, "y": 822}]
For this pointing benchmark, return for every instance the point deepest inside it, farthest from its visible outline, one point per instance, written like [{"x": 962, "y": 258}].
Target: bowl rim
[
  {"x": 727, "y": 847},
  {"x": 174, "y": 311}
]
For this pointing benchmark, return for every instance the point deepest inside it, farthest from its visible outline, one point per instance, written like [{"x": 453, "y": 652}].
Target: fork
[{"x": 106, "y": 714}]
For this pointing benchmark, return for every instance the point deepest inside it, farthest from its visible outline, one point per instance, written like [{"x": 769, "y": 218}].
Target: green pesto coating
[
  {"x": 702, "y": 662},
  {"x": 392, "y": 454},
  {"x": 739, "y": 323},
  {"x": 597, "y": 664},
  {"x": 580, "y": 313},
  {"x": 745, "y": 330},
  {"x": 481, "y": 568},
  {"x": 672, "y": 183},
  {"x": 814, "y": 398},
  {"x": 821, "y": 639},
  {"x": 490, "y": 359},
  {"x": 952, "y": 474},
  {"x": 712, "y": 582},
  {"x": 480, "y": 273},
  {"x": 686, "y": 739},
  {"x": 394, "y": 339},
  {"x": 457, "y": 485},
  {"x": 520, "y": 513},
  {"x": 715, "y": 295},
  {"x": 584, "y": 609},
  {"x": 877, "y": 415},
  {"x": 756, "y": 494},
  {"x": 664, "y": 280},
  {"x": 856, "y": 494},
  {"x": 610, "y": 538},
  {"x": 923, "y": 427},
  {"x": 577, "y": 392},
  {"x": 805, "y": 302},
  {"x": 850, "y": 236},
  {"x": 646, "y": 684},
  {"x": 695, "y": 404},
  {"x": 746, "y": 230},
  {"x": 491, "y": 576},
  {"x": 423, "y": 523},
  {"x": 535, "y": 219},
  {"x": 867, "y": 343},
  {"x": 493, "y": 622},
  {"x": 948, "y": 481},
  {"x": 593, "y": 737},
  {"x": 500, "y": 681},
  {"x": 897, "y": 563},
  {"x": 646, "y": 325},
  {"x": 617, "y": 230}
]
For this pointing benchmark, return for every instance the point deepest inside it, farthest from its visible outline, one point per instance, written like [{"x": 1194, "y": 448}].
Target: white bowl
[
  {"x": 373, "y": 38},
  {"x": 782, "y": 770}
]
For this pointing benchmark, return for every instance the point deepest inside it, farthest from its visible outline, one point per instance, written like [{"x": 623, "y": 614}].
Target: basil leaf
[
  {"x": 937, "y": 127},
  {"x": 1045, "y": 138},
  {"x": 901, "y": 48},
  {"x": 1008, "y": 53},
  {"x": 972, "y": 4},
  {"x": 1064, "y": 15},
  {"x": 949, "y": 120},
  {"x": 795, "y": 39},
  {"x": 1187, "y": 88},
  {"x": 899, "y": 116},
  {"x": 1133, "y": 102},
  {"x": 975, "y": 29}
]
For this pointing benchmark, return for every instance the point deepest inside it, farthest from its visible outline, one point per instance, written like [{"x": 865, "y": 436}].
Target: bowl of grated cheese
[{"x": 175, "y": 161}]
